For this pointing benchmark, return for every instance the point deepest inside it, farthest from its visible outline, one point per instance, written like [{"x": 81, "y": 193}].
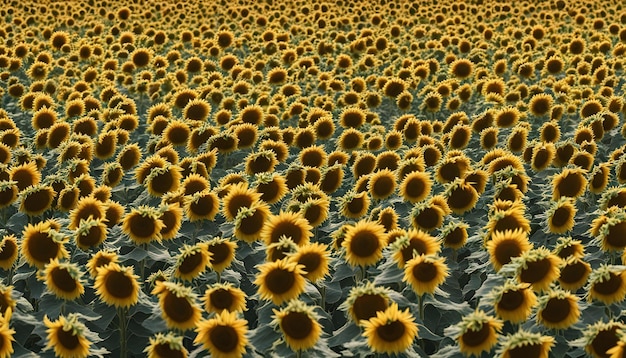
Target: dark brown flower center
[
  {"x": 164, "y": 350},
  {"x": 287, "y": 228},
  {"x": 391, "y": 331},
  {"x": 252, "y": 224},
  {"x": 610, "y": 286},
  {"x": 222, "y": 299},
  {"x": 462, "y": 197},
  {"x": 561, "y": 217},
  {"x": 297, "y": 325},
  {"x": 366, "y": 306},
  {"x": 63, "y": 280},
  {"x": 573, "y": 273},
  {"x": 7, "y": 250},
  {"x": 617, "y": 235},
  {"x": 224, "y": 338},
  {"x": 383, "y": 186},
  {"x": 364, "y": 243},
  {"x": 119, "y": 285},
  {"x": 429, "y": 218},
  {"x": 279, "y": 281},
  {"x": 556, "y": 310},
  {"x": 530, "y": 350},
  {"x": 425, "y": 271},
  {"x": 476, "y": 338},
  {"x": 190, "y": 263},
  {"x": 570, "y": 185},
  {"x": 221, "y": 252},
  {"x": 42, "y": 248},
  {"x": 506, "y": 250},
  {"x": 178, "y": 309},
  {"x": 142, "y": 227},
  {"x": 605, "y": 340},
  {"x": 536, "y": 271},
  {"x": 311, "y": 261},
  {"x": 511, "y": 300},
  {"x": 67, "y": 339}
]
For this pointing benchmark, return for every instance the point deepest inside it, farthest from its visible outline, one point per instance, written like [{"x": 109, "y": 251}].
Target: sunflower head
[
  {"x": 99, "y": 259},
  {"x": 524, "y": 343},
  {"x": 280, "y": 280},
  {"x": 574, "y": 273},
  {"x": 599, "y": 337},
  {"x": 224, "y": 296},
  {"x": 391, "y": 331},
  {"x": 364, "y": 242},
  {"x": 513, "y": 301},
  {"x": 476, "y": 333},
  {"x": 191, "y": 261},
  {"x": 558, "y": 309},
  {"x": 63, "y": 279},
  {"x": 42, "y": 243},
  {"x": 607, "y": 284},
  {"x": 315, "y": 259},
  {"x": 538, "y": 267},
  {"x": 166, "y": 345},
  {"x": 425, "y": 273},
  {"x": 178, "y": 305},
  {"x": 117, "y": 285},
  {"x": 9, "y": 251},
  {"x": 223, "y": 335},
  {"x": 299, "y": 324},
  {"x": 142, "y": 224},
  {"x": 68, "y": 336},
  {"x": 222, "y": 252}
]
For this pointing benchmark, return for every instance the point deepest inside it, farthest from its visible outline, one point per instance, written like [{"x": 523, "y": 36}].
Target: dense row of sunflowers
[{"x": 343, "y": 178}]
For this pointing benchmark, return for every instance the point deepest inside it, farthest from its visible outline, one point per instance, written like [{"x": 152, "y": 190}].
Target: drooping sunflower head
[
  {"x": 178, "y": 305},
  {"x": 461, "y": 196},
  {"x": 68, "y": 336},
  {"x": 191, "y": 261},
  {"x": 558, "y": 309},
  {"x": 391, "y": 331},
  {"x": 454, "y": 235},
  {"x": 315, "y": 259},
  {"x": 90, "y": 233},
  {"x": 142, "y": 224},
  {"x": 571, "y": 182},
  {"x": 607, "y": 284},
  {"x": 599, "y": 337},
  {"x": 9, "y": 251},
  {"x": 299, "y": 325},
  {"x": 165, "y": 346},
  {"x": 271, "y": 186},
  {"x": 412, "y": 244},
  {"x": 561, "y": 215},
  {"x": 354, "y": 204},
  {"x": 476, "y": 333},
  {"x": 63, "y": 279},
  {"x": 222, "y": 253},
  {"x": 524, "y": 343},
  {"x": 538, "y": 267},
  {"x": 203, "y": 205},
  {"x": 171, "y": 215}
]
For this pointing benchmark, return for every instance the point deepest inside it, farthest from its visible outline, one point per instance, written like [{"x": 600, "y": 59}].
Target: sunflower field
[{"x": 242, "y": 178}]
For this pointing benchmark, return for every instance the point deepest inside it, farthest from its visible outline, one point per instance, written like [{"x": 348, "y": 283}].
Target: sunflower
[
  {"x": 354, "y": 204},
  {"x": 382, "y": 184},
  {"x": 239, "y": 196},
  {"x": 222, "y": 253},
  {"x": 41, "y": 243},
  {"x": 117, "y": 285},
  {"x": 167, "y": 345},
  {"x": 599, "y": 178},
  {"x": 425, "y": 273},
  {"x": 427, "y": 216},
  {"x": 224, "y": 335},
  {"x": 25, "y": 175},
  {"x": 63, "y": 279},
  {"x": 571, "y": 182},
  {"x": 271, "y": 186},
  {"x": 391, "y": 331},
  {"x": 607, "y": 284},
  {"x": 203, "y": 205},
  {"x": 142, "y": 224},
  {"x": 178, "y": 305},
  {"x": 299, "y": 325},
  {"x": 476, "y": 333},
  {"x": 90, "y": 233},
  {"x": 412, "y": 244},
  {"x": 513, "y": 301},
  {"x": 609, "y": 230},
  {"x": 452, "y": 167},
  {"x": 523, "y": 343},
  {"x": 558, "y": 309},
  {"x": 364, "y": 242},
  {"x": 6, "y": 336},
  {"x": 250, "y": 221},
  {"x": 506, "y": 245},
  {"x": 8, "y": 193},
  {"x": 171, "y": 215},
  {"x": 224, "y": 296},
  {"x": 461, "y": 196},
  {"x": 538, "y": 267},
  {"x": 561, "y": 216},
  {"x": 574, "y": 273},
  {"x": 415, "y": 186},
  {"x": 280, "y": 280},
  {"x": 508, "y": 219},
  {"x": 599, "y": 337},
  {"x": 288, "y": 224},
  {"x": 85, "y": 208},
  {"x": 163, "y": 180},
  {"x": 114, "y": 212},
  {"x": 191, "y": 262},
  {"x": 99, "y": 259},
  {"x": 67, "y": 335},
  {"x": 9, "y": 251},
  {"x": 314, "y": 257}
]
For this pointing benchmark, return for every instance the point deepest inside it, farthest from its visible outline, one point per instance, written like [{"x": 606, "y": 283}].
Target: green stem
[
  {"x": 299, "y": 353},
  {"x": 421, "y": 306},
  {"x": 219, "y": 277},
  {"x": 121, "y": 315}
]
